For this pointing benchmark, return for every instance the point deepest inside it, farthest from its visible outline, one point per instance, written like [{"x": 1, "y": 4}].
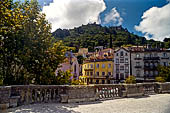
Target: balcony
[
  {"x": 147, "y": 76},
  {"x": 90, "y": 69},
  {"x": 151, "y": 58},
  {"x": 138, "y": 58},
  {"x": 166, "y": 58},
  {"x": 150, "y": 68},
  {"x": 138, "y": 66}
]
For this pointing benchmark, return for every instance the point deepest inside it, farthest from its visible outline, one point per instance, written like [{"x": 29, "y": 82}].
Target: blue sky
[
  {"x": 68, "y": 14},
  {"x": 132, "y": 10}
]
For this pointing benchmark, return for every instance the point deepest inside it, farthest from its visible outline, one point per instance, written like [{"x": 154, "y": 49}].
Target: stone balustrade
[{"x": 16, "y": 95}]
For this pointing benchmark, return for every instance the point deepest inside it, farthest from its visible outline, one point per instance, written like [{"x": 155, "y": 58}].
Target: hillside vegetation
[{"x": 91, "y": 35}]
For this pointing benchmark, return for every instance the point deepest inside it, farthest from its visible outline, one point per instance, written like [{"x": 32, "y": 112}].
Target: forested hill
[{"x": 91, "y": 35}]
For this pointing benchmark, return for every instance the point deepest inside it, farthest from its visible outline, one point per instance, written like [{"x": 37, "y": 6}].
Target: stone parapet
[{"x": 16, "y": 95}]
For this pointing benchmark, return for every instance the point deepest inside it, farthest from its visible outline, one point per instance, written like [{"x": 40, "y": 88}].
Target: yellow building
[{"x": 99, "y": 70}]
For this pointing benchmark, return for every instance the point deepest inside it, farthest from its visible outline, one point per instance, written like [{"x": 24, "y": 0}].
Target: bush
[
  {"x": 75, "y": 82},
  {"x": 130, "y": 80},
  {"x": 160, "y": 79}
]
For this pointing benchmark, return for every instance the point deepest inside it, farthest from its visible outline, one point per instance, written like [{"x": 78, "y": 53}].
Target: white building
[{"x": 121, "y": 64}]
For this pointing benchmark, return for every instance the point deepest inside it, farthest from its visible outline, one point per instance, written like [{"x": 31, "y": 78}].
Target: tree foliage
[
  {"x": 91, "y": 35},
  {"x": 164, "y": 73},
  {"x": 130, "y": 80},
  {"x": 28, "y": 54},
  {"x": 63, "y": 78}
]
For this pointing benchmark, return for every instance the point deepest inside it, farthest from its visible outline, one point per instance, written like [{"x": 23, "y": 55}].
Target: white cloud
[
  {"x": 73, "y": 13},
  {"x": 155, "y": 23},
  {"x": 114, "y": 17}
]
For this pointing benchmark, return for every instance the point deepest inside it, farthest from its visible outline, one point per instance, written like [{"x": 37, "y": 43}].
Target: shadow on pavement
[{"x": 43, "y": 108}]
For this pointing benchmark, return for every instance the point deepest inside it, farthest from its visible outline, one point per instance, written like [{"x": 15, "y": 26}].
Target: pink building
[{"x": 70, "y": 64}]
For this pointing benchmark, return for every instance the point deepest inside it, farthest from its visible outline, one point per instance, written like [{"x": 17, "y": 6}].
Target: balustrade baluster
[{"x": 35, "y": 97}]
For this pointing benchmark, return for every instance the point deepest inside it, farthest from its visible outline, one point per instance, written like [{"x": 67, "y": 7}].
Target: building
[
  {"x": 144, "y": 62},
  {"x": 141, "y": 62},
  {"x": 121, "y": 64},
  {"x": 70, "y": 64},
  {"x": 83, "y": 52},
  {"x": 98, "y": 70}
]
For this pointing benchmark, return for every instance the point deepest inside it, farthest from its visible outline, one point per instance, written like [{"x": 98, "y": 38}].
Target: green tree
[
  {"x": 164, "y": 72},
  {"x": 62, "y": 78},
  {"x": 28, "y": 54}
]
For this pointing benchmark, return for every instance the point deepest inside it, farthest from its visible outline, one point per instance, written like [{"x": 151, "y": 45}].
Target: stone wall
[
  {"x": 5, "y": 92},
  {"x": 12, "y": 96}
]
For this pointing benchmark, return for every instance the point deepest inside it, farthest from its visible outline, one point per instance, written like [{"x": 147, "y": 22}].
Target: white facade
[{"x": 121, "y": 64}]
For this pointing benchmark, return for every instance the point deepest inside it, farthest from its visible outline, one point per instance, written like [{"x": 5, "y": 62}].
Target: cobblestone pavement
[{"x": 151, "y": 104}]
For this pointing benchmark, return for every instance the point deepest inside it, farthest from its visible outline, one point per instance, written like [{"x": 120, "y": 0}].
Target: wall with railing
[{"x": 12, "y": 96}]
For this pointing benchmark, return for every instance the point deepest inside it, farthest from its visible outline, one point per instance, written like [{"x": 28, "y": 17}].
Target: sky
[{"x": 148, "y": 18}]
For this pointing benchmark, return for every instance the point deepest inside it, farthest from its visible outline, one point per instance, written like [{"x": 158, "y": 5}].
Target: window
[
  {"x": 165, "y": 63},
  {"x": 151, "y": 73},
  {"x": 155, "y": 54},
  {"x": 121, "y": 60},
  {"x": 121, "y": 53},
  {"x": 85, "y": 66},
  {"x": 109, "y": 73},
  {"x": 117, "y": 76},
  {"x": 97, "y": 73},
  {"x": 103, "y": 81},
  {"x": 75, "y": 68},
  {"x": 146, "y": 72},
  {"x": 91, "y": 73},
  {"x": 164, "y": 54},
  {"x": 137, "y": 63},
  {"x": 109, "y": 65},
  {"x": 146, "y": 64},
  {"x": 126, "y": 69},
  {"x": 117, "y": 60},
  {"x": 87, "y": 73},
  {"x": 121, "y": 76},
  {"x": 121, "y": 67},
  {"x": 117, "y": 54},
  {"x": 117, "y": 67},
  {"x": 156, "y": 72},
  {"x": 103, "y": 65},
  {"x": 91, "y": 65},
  {"x": 103, "y": 73},
  {"x": 126, "y": 54},
  {"x": 126, "y": 60},
  {"x": 137, "y": 55},
  {"x": 127, "y": 75},
  {"x": 88, "y": 66},
  {"x": 97, "y": 81},
  {"x": 146, "y": 55},
  {"x": 97, "y": 66},
  {"x": 151, "y": 55},
  {"x": 155, "y": 64},
  {"x": 138, "y": 73}
]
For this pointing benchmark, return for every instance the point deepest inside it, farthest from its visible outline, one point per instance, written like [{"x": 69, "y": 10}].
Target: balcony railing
[
  {"x": 165, "y": 58},
  {"x": 150, "y": 67},
  {"x": 138, "y": 66},
  {"x": 151, "y": 58},
  {"x": 138, "y": 58}
]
